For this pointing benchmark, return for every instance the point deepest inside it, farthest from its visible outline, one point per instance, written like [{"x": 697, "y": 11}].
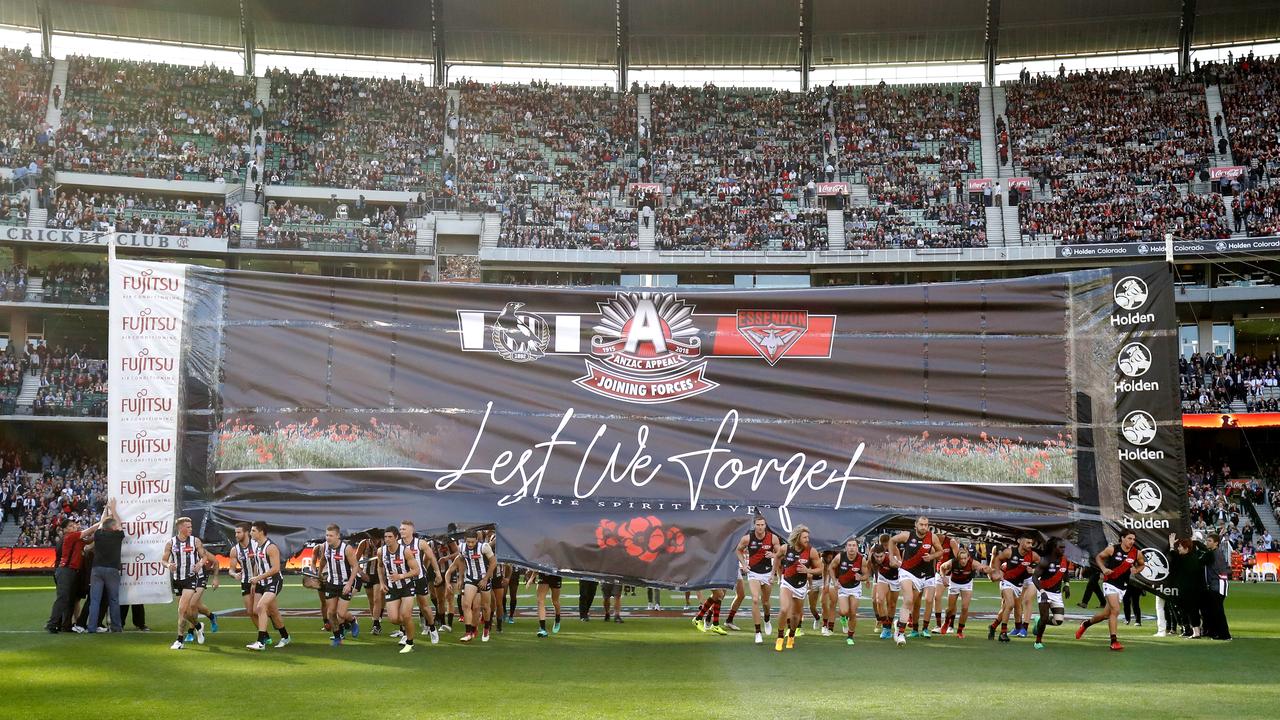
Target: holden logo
[
  {"x": 1131, "y": 293},
  {"x": 1220, "y": 246},
  {"x": 1143, "y": 249},
  {"x": 1144, "y": 496},
  {"x": 1156, "y": 565},
  {"x": 1138, "y": 427},
  {"x": 520, "y": 336},
  {"x": 1066, "y": 252},
  {"x": 1134, "y": 360}
]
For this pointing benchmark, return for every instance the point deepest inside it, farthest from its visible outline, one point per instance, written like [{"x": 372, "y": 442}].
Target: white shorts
[
  {"x": 1006, "y": 585},
  {"x": 1053, "y": 598},
  {"x": 957, "y": 588},
  {"x": 854, "y": 592},
  {"x": 798, "y": 593},
  {"x": 817, "y": 584},
  {"x": 894, "y": 585},
  {"x": 916, "y": 582},
  {"x": 1109, "y": 589},
  {"x": 762, "y": 578}
]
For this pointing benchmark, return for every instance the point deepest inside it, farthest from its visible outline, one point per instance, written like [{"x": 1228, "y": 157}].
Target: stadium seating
[
  {"x": 1249, "y": 89},
  {"x": 154, "y": 120},
  {"x": 24, "y": 87},
  {"x": 143, "y": 213},
  {"x": 301, "y": 226},
  {"x": 1230, "y": 383},
  {"x": 61, "y": 487},
  {"x": 358, "y": 133},
  {"x": 13, "y": 209},
  {"x": 70, "y": 385}
]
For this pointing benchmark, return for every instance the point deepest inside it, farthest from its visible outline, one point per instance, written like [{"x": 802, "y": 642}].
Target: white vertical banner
[{"x": 146, "y": 314}]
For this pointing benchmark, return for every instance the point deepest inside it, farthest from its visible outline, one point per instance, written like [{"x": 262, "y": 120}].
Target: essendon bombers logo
[
  {"x": 646, "y": 351},
  {"x": 646, "y": 347},
  {"x": 773, "y": 332}
]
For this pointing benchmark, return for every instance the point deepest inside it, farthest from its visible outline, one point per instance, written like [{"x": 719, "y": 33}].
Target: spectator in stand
[
  {"x": 1212, "y": 383},
  {"x": 105, "y": 211},
  {"x": 380, "y": 228},
  {"x": 24, "y": 82}
]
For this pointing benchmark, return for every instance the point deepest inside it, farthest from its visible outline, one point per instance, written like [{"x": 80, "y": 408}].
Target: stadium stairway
[
  {"x": 453, "y": 98},
  {"x": 248, "y": 233},
  {"x": 262, "y": 92},
  {"x": 492, "y": 223},
  {"x": 1213, "y": 99},
  {"x": 1011, "y": 224},
  {"x": 859, "y": 194},
  {"x": 995, "y": 227},
  {"x": 644, "y": 112},
  {"x": 53, "y": 115},
  {"x": 37, "y": 218},
  {"x": 986, "y": 113},
  {"x": 30, "y": 387},
  {"x": 9, "y": 534},
  {"x": 835, "y": 229},
  {"x": 35, "y": 289},
  {"x": 1267, "y": 514},
  {"x": 999, "y": 106},
  {"x": 426, "y": 237}
]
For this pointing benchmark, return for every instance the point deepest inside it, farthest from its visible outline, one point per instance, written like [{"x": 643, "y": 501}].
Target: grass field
[{"x": 646, "y": 667}]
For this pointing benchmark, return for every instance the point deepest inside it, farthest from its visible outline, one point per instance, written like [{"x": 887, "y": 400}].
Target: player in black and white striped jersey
[
  {"x": 477, "y": 563},
  {"x": 397, "y": 572},
  {"x": 336, "y": 563},
  {"x": 429, "y": 576},
  {"x": 242, "y": 553},
  {"x": 267, "y": 575},
  {"x": 445, "y": 549},
  {"x": 368, "y": 550},
  {"x": 184, "y": 556}
]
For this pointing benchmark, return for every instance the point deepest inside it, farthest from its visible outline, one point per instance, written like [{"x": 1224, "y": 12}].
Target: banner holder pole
[{"x": 1168, "y": 248}]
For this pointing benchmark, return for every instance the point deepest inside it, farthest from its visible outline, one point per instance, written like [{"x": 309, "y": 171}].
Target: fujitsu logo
[
  {"x": 145, "y": 362},
  {"x": 141, "y": 485},
  {"x": 141, "y": 526},
  {"x": 140, "y": 445},
  {"x": 147, "y": 280},
  {"x": 139, "y": 567},
  {"x": 142, "y": 404},
  {"x": 144, "y": 321}
]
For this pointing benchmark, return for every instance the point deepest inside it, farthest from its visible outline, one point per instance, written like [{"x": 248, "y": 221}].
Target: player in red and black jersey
[
  {"x": 1050, "y": 579},
  {"x": 937, "y": 594},
  {"x": 884, "y": 567},
  {"x": 959, "y": 572},
  {"x": 1014, "y": 569},
  {"x": 708, "y": 617},
  {"x": 1117, "y": 563},
  {"x": 796, "y": 563},
  {"x": 844, "y": 576},
  {"x": 917, "y": 549},
  {"x": 755, "y": 554},
  {"x": 827, "y": 590}
]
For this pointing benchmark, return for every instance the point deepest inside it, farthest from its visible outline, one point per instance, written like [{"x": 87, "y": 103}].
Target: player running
[
  {"x": 184, "y": 556},
  {"x": 846, "y": 575},
  {"x": 796, "y": 563},
  {"x": 1050, "y": 577},
  {"x": 336, "y": 563},
  {"x": 476, "y": 561},
  {"x": 398, "y": 572},
  {"x": 885, "y": 568},
  {"x": 959, "y": 572},
  {"x": 1015, "y": 569},
  {"x": 269, "y": 581},
  {"x": 1117, "y": 562},
  {"x": 755, "y": 555},
  {"x": 368, "y": 551},
  {"x": 429, "y": 576},
  {"x": 445, "y": 549},
  {"x": 708, "y": 617},
  {"x": 917, "y": 549},
  {"x": 827, "y": 593},
  {"x": 547, "y": 584},
  {"x": 739, "y": 594},
  {"x": 242, "y": 554}
]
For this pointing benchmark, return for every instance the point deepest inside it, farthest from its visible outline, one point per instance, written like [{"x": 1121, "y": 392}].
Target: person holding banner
[
  {"x": 1117, "y": 562},
  {"x": 547, "y": 583},
  {"x": 797, "y": 563}
]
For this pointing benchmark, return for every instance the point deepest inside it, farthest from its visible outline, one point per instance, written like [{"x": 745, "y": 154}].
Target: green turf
[{"x": 652, "y": 668}]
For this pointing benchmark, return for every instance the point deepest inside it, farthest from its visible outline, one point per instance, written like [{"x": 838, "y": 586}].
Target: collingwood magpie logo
[
  {"x": 1134, "y": 360},
  {"x": 1131, "y": 293},
  {"x": 519, "y": 336},
  {"x": 1156, "y": 565},
  {"x": 1139, "y": 428},
  {"x": 1144, "y": 496}
]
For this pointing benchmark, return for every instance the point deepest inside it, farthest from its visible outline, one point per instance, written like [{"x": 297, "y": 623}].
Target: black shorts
[
  {"x": 202, "y": 582},
  {"x": 479, "y": 584},
  {"x": 422, "y": 586},
  {"x": 331, "y": 591},
  {"x": 395, "y": 593},
  {"x": 551, "y": 581},
  {"x": 189, "y": 583},
  {"x": 271, "y": 585},
  {"x": 246, "y": 588},
  {"x": 611, "y": 590}
]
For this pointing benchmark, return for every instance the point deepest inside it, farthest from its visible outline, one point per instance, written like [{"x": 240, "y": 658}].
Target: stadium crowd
[
  {"x": 349, "y": 228},
  {"x": 40, "y": 500},
  {"x": 1212, "y": 383},
  {"x": 24, "y": 87},
  {"x": 106, "y": 211},
  {"x": 155, "y": 120},
  {"x": 1249, "y": 88},
  {"x": 71, "y": 385}
]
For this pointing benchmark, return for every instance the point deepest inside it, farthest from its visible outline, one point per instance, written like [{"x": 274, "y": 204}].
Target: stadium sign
[
  {"x": 634, "y": 434},
  {"x": 1229, "y": 172},
  {"x": 84, "y": 238},
  {"x": 833, "y": 188},
  {"x": 1266, "y": 245}
]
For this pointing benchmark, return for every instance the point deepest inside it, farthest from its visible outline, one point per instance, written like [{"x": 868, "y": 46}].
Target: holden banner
[{"x": 635, "y": 433}]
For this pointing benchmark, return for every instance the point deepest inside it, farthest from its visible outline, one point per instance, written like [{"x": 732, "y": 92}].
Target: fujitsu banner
[
  {"x": 147, "y": 318},
  {"x": 635, "y": 434}
]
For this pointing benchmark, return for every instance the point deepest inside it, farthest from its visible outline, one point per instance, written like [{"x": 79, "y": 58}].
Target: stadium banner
[
  {"x": 635, "y": 434},
  {"x": 646, "y": 188},
  {"x": 1155, "y": 249},
  {"x": 1021, "y": 183},
  {"x": 85, "y": 238},
  {"x": 1230, "y": 421},
  {"x": 977, "y": 185},
  {"x": 1228, "y": 172},
  {"x": 832, "y": 188},
  {"x": 145, "y": 348}
]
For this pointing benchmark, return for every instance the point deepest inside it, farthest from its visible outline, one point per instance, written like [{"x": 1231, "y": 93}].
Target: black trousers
[
  {"x": 139, "y": 615},
  {"x": 64, "y": 580},
  {"x": 586, "y": 596},
  {"x": 1132, "y": 603},
  {"x": 1093, "y": 587},
  {"x": 1215, "y": 616}
]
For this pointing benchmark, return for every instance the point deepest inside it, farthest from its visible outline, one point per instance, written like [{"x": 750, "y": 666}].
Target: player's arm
[
  {"x": 894, "y": 540},
  {"x": 382, "y": 576},
  {"x": 273, "y": 561},
  {"x": 816, "y": 566},
  {"x": 741, "y": 552},
  {"x": 1139, "y": 563},
  {"x": 435, "y": 562},
  {"x": 945, "y": 568},
  {"x": 938, "y": 548},
  {"x": 997, "y": 562},
  {"x": 491, "y": 562},
  {"x": 166, "y": 557},
  {"x": 1101, "y": 559},
  {"x": 353, "y": 561},
  {"x": 1042, "y": 569},
  {"x": 412, "y": 566}
]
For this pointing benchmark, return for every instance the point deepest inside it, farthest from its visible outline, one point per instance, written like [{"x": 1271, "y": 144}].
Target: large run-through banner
[{"x": 627, "y": 433}]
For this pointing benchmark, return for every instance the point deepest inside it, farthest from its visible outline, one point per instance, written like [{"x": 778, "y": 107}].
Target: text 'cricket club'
[{"x": 646, "y": 347}]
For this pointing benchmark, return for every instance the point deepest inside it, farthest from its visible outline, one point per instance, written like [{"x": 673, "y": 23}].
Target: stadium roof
[{"x": 663, "y": 33}]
